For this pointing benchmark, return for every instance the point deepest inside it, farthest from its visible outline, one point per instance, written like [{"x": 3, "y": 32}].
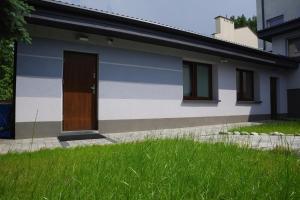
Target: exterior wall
[
  {"x": 280, "y": 47},
  {"x": 259, "y": 15},
  {"x": 294, "y": 79},
  {"x": 225, "y": 30},
  {"x": 272, "y": 8},
  {"x": 136, "y": 82},
  {"x": 280, "y": 42},
  {"x": 288, "y": 8},
  {"x": 246, "y": 36}
]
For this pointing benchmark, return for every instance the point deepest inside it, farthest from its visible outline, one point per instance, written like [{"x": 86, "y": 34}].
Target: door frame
[
  {"x": 96, "y": 90},
  {"x": 274, "y": 115}
]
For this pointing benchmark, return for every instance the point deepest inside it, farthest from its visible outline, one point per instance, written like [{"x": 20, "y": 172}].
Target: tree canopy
[
  {"x": 12, "y": 29},
  {"x": 12, "y": 22},
  {"x": 242, "y": 21},
  {"x": 6, "y": 69}
]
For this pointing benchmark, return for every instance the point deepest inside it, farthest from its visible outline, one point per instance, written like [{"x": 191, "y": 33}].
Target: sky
[{"x": 195, "y": 15}]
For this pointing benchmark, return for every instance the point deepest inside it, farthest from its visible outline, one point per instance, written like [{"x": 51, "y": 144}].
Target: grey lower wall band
[
  {"x": 54, "y": 129},
  {"x": 115, "y": 126},
  {"x": 37, "y": 129}
]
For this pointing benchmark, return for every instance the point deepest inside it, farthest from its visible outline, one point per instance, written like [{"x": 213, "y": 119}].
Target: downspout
[
  {"x": 13, "y": 123},
  {"x": 263, "y": 20}
]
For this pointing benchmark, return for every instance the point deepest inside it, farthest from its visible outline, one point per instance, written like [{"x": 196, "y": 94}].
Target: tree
[
  {"x": 12, "y": 22},
  {"x": 6, "y": 69},
  {"x": 12, "y": 29},
  {"x": 242, "y": 21}
]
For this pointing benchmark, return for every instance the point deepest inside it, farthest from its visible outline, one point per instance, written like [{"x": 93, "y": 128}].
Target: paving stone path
[{"x": 202, "y": 133}]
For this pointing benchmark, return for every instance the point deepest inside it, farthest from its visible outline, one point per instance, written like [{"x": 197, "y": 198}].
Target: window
[
  {"x": 197, "y": 81},
  {"x": 245, "y": 85},
  {"x": 275, "y": 21},
  {"x": 294, "y": 47}
]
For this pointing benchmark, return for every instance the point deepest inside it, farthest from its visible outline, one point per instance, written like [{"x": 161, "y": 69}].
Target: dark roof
[
  {"x": 61, "y": 15},
  {"x": 268, "y": 33},
  {"x": 220, "y": 16}
]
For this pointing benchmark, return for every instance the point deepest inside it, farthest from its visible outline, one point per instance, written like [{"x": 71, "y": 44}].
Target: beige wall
[{"x": 225, "y": 31}]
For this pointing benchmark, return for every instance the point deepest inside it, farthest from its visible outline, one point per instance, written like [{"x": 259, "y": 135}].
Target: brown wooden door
[
  {"x": 273, "y": 96},
  {"x": 79, "y": 91}
]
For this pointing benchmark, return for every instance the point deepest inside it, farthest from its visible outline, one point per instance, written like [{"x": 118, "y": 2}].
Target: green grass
[
  {"x": 286, "y": 127},
  {"x": 155, "y": 169}
]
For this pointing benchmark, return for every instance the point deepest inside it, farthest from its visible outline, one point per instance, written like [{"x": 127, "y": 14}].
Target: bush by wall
[{"x": 6, "y": 69}]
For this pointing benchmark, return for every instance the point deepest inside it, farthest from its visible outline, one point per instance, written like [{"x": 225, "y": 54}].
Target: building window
[
  {"x": 197, "y": 81},
  {"x": 245, "y": 85},
  {"x": 275, "y": 21},
  {"x": 294, "y": 47}
]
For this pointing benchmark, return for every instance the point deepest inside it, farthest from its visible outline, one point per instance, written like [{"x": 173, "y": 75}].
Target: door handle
[{"x": 93, "y": 88}]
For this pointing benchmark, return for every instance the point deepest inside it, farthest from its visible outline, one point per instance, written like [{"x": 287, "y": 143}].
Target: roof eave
[
  {"x": 116, "y": 26},
  {"x": 268, "y": 33}
]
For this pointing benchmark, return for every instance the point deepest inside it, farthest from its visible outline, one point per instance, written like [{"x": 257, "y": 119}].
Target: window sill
[
  {"x": 248, "y": 102},
  {"x": 202, "y": 101}
]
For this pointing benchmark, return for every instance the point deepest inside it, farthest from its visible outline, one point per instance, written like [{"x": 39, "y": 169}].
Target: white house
[
  {"x": 90, "y": 70},
  {"x": 279, "y": 26}
]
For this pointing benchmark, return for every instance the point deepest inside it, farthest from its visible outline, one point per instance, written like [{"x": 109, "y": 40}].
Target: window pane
[
  {"x": 294, "y": 47},
  {"x": 187, "y": 86},
  {"x": 247, "y": 85},
  {"x": 238, "y": 82},
  {"x": 202, "y": 80},
  {"x": 275, "y": 21}
]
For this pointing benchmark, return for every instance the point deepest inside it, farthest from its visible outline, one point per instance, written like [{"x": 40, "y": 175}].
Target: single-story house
[{"x": 91, "y": 70}]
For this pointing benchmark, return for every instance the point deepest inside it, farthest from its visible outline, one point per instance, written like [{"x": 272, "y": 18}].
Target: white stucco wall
[{"x": 136, "y": 80}]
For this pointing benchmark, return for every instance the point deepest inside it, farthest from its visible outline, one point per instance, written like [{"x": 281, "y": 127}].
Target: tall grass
[{"x": 154, "y": 169}]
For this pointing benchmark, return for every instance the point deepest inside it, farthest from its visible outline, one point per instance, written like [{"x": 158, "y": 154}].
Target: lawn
[
  {"x": 154, "y": 169},
  {"x": 286, "y": 127}
]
